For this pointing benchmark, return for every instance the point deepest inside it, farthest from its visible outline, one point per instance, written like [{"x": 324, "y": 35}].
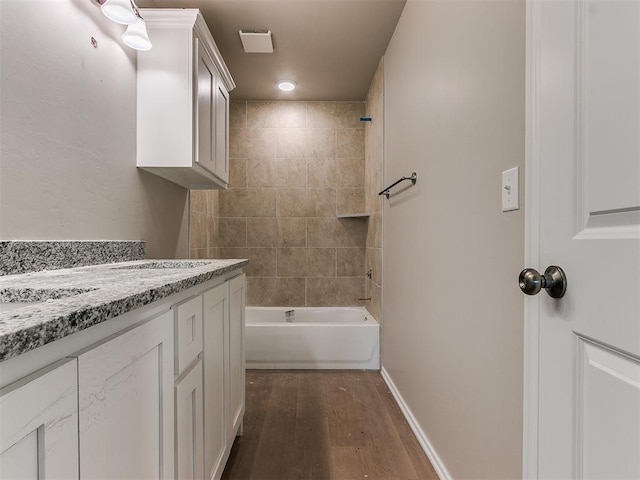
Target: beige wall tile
[
  {"x": 321, "y": 232},
  {"x": 198, "y": 201},
  {"x": 276, "y": 292},
  {"x": 321, "y": 262},
  {"x": 267, "y": 114},
  {"x": 230, "y": 252},
  {"x": 261, "y": 172},
  {"x": 350, "y": 232},
  {"x": 374, "y": 306},
  {"x": 291, "y": 172},
  {"x": 237, "y": 114},
  {"x": 292, "y": 262},
  {"x": 252, "y": 202},
  {"x": 373, "y": 262},
  {"x": 292, "y": 202},
  {"x": 334, "y": 232},
  {"x": 334, "y": 114},
  {"x": 350, "y": 200},
  {"x": 237, "y": 173},
  {"x": 233, "y": 232},
  {"x": 321, "y": 114},
  {"x": 262, "y": 261},
  {"x": 350, "y": 143},
  {"x": 198, "y": 231},
  {"x": 321, "y": 172},
  {"x": 216, "y": 203},
  {"x": 350, "y": 172},
  {"x": 292, "y": 232},
  {"x": 320, "y": 202},
  {"x": 251, "y": 142},
  {"x": 374, "y": 235},
  {"x": 350, "y": 262},
  {"x": 348, "y": 114},
  {"x": 262, "y": 232},
  {"x": 328, "y": 292},
  {"x": 306, "y": 143}
]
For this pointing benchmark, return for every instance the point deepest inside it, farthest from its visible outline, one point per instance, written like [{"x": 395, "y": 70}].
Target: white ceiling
[{"x": 330, "y": 48}]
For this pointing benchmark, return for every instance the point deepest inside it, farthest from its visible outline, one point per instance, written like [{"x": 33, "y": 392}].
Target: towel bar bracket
[{"x": 413, "y": 178}]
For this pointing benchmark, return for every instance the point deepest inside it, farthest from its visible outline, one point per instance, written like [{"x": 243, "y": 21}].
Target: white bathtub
[{"x": 318, "y": 338}]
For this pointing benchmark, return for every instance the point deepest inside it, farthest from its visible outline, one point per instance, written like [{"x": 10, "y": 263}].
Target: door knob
[{"x": 554, "y": 281}]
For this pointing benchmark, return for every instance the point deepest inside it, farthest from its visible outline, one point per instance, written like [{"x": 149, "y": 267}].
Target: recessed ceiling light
[{"x": 286, "y": 85}]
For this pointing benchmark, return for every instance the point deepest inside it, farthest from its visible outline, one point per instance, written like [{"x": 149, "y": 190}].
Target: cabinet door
[
  {"x": 206, "y": 104},
  {"x": 188, "y": 332},
  {"x": 189, "y": 425},
  {"x": 216, "y": 328},
  {"x": 39, "y": 428},
  {"x": 222, "y": 131},
  {"x": 236, "y": 355},
  {"x": 126, "y": 404}
]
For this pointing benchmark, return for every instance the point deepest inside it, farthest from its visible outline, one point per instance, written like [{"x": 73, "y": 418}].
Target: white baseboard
[{"x": 438, "y": 465}]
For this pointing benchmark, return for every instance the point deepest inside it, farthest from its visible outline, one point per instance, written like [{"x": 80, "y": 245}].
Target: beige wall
[
  {"x": 453, "y": 314},
  {"x": 374, "y": 136},
  {"x": 294, "y": 167},
  {"x": 68, "y": 134}
]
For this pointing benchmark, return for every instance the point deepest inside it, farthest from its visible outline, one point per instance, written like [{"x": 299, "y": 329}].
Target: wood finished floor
[{"x": 318, "y": 425}]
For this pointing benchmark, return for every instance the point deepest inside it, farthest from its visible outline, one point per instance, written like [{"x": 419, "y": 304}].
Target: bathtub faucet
[{"x": 290, "y": 315}]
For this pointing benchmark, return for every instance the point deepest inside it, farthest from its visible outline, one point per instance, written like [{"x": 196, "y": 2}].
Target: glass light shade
[
  {"x": 286, "y": 85},
  {"x": 119, "y": 11},
  {"x": 136, "y": 36}
]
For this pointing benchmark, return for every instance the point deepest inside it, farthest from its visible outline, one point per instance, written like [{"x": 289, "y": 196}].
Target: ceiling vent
[{"x": 256, "y": 41}]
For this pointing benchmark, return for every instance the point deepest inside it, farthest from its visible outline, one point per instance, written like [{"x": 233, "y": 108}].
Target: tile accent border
[{"x": 18, "y": 256}]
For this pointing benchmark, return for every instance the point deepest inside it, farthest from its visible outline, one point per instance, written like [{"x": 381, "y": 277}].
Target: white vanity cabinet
[
  {"x": 190, "y": 425},
  {"x": 224, "y": 374},
  {"x": 216, "y": 364},
  {"x": 183, "y": 101},
  {"x": 157, "y": 392},
  {"x": 39, "y": 424},
  {"x": 126, "y": 404},
  {"x": 236, "y": 388}
]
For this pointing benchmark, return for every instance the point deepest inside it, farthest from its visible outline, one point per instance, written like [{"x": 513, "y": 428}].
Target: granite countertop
[{"x": 66, "y": 301}]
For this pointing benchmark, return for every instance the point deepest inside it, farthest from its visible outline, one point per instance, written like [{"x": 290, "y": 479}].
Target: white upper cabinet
[{"x": 183, "y": 101}]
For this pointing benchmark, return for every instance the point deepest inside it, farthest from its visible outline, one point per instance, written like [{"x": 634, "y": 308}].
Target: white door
[{"x": 582, "y": 410}]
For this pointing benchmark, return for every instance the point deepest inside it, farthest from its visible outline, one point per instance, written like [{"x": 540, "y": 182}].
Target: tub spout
[{"x": 290, "y": 315}]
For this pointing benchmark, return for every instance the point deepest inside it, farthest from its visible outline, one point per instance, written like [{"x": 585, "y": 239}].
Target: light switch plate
[{"x": 510, "y": 195}]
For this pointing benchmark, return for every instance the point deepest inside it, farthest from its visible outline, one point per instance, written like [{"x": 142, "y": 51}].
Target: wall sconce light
[
  {"x": 136, "y": 36},
  {"x": 126, "y": 12}
]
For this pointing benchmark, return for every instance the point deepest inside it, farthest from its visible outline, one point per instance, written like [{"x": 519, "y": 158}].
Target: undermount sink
[
  {"x": 165, "y": 264},
  {"x": 14, "y": 298}
]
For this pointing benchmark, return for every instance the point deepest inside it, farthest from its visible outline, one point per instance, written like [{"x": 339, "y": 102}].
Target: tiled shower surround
[{"x": 294, "y": 166}]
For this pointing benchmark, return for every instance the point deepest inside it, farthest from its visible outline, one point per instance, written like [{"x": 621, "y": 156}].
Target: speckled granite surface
[
  {"x": 73, "y": 299},
  {"x": 21, "y": 256}
]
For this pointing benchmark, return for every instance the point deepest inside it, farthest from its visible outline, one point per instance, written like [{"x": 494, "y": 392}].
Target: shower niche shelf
[{"x": 353, "y": 215}]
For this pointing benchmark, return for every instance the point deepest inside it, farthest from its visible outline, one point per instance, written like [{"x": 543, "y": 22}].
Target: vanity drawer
[{"x": 188, "y": 332}]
